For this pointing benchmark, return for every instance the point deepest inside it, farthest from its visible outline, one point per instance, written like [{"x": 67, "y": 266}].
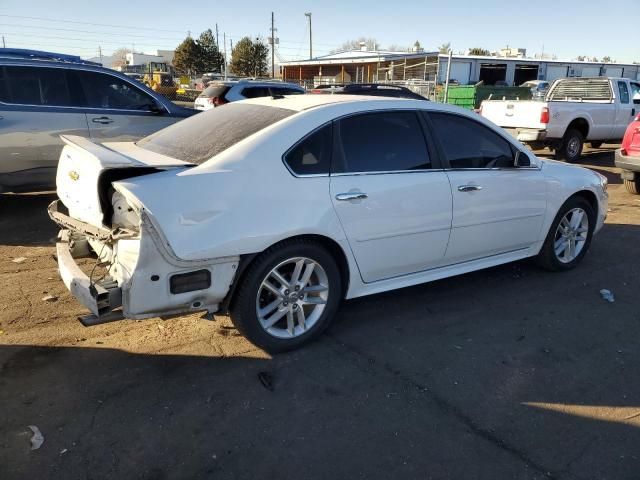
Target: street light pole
[{"x": 308, "y": 14}]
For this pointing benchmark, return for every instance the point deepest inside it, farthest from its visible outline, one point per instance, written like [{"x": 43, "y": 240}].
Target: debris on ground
[
  {"x": 37, "y": 439},
  {"x": 607, "y": 295},
  {"x": 49, "y": 298},
  {"x": 267, "y": 380},
  {"x": 1, "y": 332},
  {"x": 63, "y": 451},
  {"x": 19, "y": 259}
]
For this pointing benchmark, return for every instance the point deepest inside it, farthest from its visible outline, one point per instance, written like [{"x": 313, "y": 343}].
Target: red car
[{"x": 628, "y": 157}]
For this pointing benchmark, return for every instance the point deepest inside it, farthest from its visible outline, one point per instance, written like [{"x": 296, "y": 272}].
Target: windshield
[{"x": 203, "y": 136}]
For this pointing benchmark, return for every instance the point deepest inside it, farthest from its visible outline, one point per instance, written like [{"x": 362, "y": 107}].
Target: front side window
[
  {"x": 108, "y": 91},
  {"x": 624, "y": 92},
  {"x": 635, "y": 92},
  {"x": 312, "y": 156},
  {"x": 36, "y": 86},
  {"x": 468, "y": 144},
  {"x": 381, "y": 142}
]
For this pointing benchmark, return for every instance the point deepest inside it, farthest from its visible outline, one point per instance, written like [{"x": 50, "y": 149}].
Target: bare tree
[
  {"x": 119, "y": 57},
  {"x": 445, "y": 47},
  {"x": 370, "y": 43}
]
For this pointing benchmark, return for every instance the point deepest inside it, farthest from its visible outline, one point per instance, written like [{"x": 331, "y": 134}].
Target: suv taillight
[{"x": 544, "y": 115}]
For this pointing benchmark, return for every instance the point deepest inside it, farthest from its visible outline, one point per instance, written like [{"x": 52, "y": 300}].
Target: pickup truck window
[
  {"x": 624, "y": 92},
  {"x": 635, "y": 92},
  {"x": 468, "y": 144}
]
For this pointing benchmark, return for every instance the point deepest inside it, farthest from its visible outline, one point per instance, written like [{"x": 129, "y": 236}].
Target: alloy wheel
[
  {"x": 292, "y": 297},
  {"x": 571, "y": 235}
]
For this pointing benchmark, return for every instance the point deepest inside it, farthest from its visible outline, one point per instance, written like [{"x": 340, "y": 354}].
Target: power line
[
  {"x": 85, "y": 40},
  {"x": 56, "y": 20},
  {"x": 119, "y": 34}
]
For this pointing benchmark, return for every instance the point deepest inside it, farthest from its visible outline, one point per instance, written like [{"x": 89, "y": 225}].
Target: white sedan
[{"x": 276, "y": 209}]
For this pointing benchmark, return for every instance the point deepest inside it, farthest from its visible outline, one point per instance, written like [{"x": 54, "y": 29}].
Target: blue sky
[{"x": 566, "y": 28}]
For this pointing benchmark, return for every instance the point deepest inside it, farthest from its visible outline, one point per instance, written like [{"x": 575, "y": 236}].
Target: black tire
[
  {"x": 566, "y": 150},
  {"x": 243, "y": 306},
  {"x": 595, "y": 144},
  {"x": 547, "y": 258},
  {"x": 632, "y": 186}
]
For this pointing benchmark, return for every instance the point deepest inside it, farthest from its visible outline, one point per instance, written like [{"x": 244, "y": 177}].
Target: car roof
[
  {"x": 258, "y": 83},
  {"x": 300, "y": 103}
]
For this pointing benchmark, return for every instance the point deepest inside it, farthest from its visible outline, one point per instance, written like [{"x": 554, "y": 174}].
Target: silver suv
[
  {"x": 219, "y": 93},
  {"x": 44, "y": 95}
]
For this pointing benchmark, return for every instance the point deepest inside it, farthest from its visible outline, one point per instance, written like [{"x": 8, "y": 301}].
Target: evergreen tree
[{"x": 249, "y": 58}]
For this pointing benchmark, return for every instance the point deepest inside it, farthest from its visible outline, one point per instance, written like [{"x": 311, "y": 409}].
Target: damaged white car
[{"x": 276, "y": 209}]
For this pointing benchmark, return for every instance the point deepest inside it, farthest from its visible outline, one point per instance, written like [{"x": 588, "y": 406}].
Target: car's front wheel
[
  {"x": 569, "y": 236},
  {"x": 288, "y": 296}
]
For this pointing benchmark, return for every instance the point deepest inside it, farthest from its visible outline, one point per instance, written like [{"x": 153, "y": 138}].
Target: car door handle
[
  {"x": 102, "y": 120},
  {"x": 351, "y": 196},
  {"x": 469, "y": 188}
]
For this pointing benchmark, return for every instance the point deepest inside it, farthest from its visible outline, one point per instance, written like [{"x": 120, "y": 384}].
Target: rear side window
[
  {"x": 255, "y": 92},
  {"x": 203, "y": 136},
  {"x": 108, "y": 91},
  {"x": 312, "y": 155},
  {"x": 381, "y": 142},
  {"x": 624, "y": 92},
  {"x": 285, "y": 91},
  {"x": 36, "y": 86},
  {"x": 216, "y": 90},
  {"x": 468, "y": 144}
]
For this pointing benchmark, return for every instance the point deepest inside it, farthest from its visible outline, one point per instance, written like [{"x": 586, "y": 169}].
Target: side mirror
[{"x": 521, "y": 160}]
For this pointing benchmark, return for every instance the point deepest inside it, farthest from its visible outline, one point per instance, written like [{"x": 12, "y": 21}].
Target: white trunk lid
[
  {"x": 81, "y": 164},
  {"x": 514, "y": 113}
]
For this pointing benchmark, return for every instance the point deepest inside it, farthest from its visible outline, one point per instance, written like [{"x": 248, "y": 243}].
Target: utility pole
[
  {"x": 308, "y": 14},
  {"x": 3, "y": 44},
  {"x": 217, "y": 38},
  {"x": 273, "y": 41},
  {"x": 446, "y": 85},
  {"x": 100, "y": 53},
  {"x": 224, "y": 37}
]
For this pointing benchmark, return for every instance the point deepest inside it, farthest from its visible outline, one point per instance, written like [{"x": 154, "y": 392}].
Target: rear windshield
[
  {"x": 204, "y": 135},
  {"x": 217, "y": 90}
]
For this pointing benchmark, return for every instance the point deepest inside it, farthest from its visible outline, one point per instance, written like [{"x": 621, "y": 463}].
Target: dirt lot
[{"x": 507, "y": 373}]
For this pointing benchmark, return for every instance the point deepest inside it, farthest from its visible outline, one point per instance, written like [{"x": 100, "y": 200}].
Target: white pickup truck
[{"x": 575, "y": 110}]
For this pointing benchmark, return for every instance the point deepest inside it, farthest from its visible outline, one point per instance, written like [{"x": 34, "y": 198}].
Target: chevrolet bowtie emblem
[{"x": 73, "y": 175}]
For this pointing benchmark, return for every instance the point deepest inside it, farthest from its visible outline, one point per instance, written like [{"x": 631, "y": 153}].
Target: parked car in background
[
  {"x": 628, "y": 156},
  {"x": 539, "y": 88},
  {"x": 280, "y": 207},
  {"x": 44, "y": 95},
  {"x": 374, "y": 89},
  {"x": 575, "y": 111},
  {"x": 219, "y": 93}
]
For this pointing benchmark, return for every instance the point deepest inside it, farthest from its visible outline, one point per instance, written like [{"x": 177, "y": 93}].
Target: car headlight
[{"x": 604, "y": 183}]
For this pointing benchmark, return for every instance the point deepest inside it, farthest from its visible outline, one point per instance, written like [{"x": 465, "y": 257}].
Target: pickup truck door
[{"x": 626, "y": 110}]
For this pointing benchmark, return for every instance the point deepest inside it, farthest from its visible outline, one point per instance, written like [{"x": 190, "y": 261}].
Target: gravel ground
[{"x": 511, "y": 372}]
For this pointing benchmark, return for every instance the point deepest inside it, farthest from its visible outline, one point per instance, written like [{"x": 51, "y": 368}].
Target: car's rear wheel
[
  {"x": 570, "y": 147},
  {"x": 569, "y": 236},
  {"x": 632, "y": 186},
  {"x": 288, "y": 296}
]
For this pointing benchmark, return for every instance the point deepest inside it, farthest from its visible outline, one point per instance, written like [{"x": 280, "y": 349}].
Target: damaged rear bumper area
[{"x": 140, "y": 276}]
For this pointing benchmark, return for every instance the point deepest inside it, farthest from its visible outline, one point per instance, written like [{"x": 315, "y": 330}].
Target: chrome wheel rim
[
  {"x": 573, "y": 147},
  {"x": 292, "y": 297},
  {"x": 571, "y": 235}
]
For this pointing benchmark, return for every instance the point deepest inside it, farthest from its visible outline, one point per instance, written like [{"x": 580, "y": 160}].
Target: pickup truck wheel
[
  {"x": 570, "y": 148},
  {"x": 569, "y": 236},
  {"x": 632, "y": 186},
  {"x": 288, "y": 296},
  {"x": 595, "y": 144}
]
